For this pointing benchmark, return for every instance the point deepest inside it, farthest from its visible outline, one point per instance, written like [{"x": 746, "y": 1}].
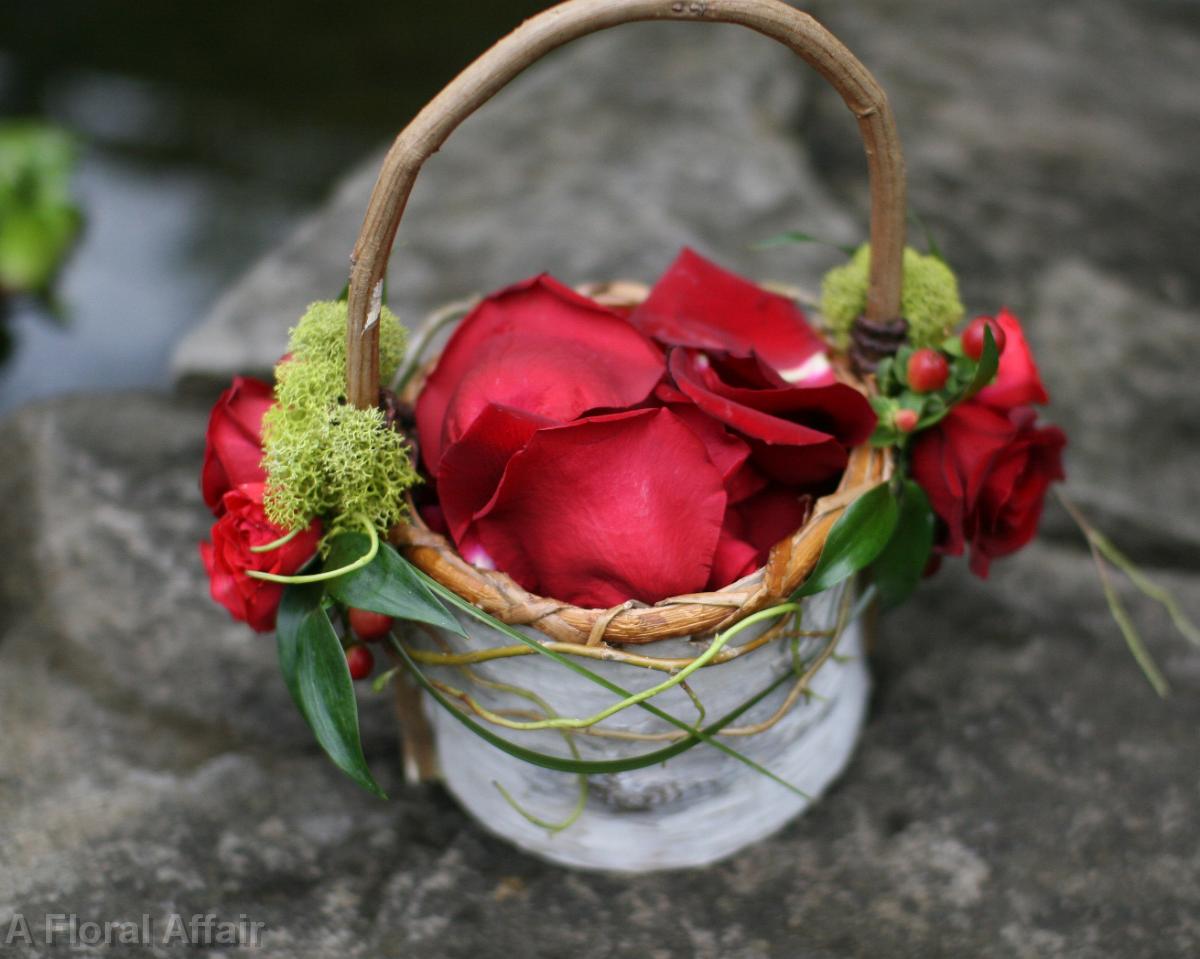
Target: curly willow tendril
[
  {"x": 547, "y": 711},
  {"x": 365, "y": 560},
  {"x": 582, "y": 723},
  {"x": 805, "y": 672},
  {"x": 278, "y": 543},
  {"x": 612, "y": 654}
]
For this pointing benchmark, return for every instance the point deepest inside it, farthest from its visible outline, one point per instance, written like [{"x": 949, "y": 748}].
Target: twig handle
[{"x": 480, "y": 81}]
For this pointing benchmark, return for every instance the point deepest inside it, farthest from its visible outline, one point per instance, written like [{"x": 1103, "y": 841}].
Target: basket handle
[{"x": 557, "y": 26}]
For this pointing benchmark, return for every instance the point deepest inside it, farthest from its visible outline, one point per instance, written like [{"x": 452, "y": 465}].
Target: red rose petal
[
  {"x": 615, "y": 507},
  {"x": 725, "y": 451},
  {"x": 698, "y": 304},
  {"x": 734, "y": 557},
  {"x": 952, "y": 461},
  {"x": 1017, "y": 382},
  {"x": 233, "y": 441},
  {"x": 471, "y": 468},
  {"x": 743, "y": 484},
  {"x": 800, "y": 434},
  {"x": 752, "y": 528},
  {"x": 773, "y": 515},
  {"x": 537, "y": 347}
]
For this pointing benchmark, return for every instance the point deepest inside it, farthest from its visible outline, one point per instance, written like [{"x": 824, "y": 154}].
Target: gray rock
[
  {"x": 1019, "y": 790},
  {"x": 1035, "y": 133},
  {"x": 689, "y": 143}
]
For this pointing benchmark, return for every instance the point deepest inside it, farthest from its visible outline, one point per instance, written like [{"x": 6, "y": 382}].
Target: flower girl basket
[{"x": 702, "y": 804}]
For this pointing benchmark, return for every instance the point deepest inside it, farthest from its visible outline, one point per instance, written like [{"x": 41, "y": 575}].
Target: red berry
[
  {"x": 972, "y": 336},
  {"x": 927, "y": 370},
  {"x": 905, "y": 420},
  {"x": 369, "y": 627},
  {"x": 360, "y": 661}
]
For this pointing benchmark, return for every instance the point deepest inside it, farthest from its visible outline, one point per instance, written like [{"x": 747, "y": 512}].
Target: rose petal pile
[
  {"x": 987, "y": 466},
  {"x": 598, "y": 455},
  {"x": 233, "y": 482}
]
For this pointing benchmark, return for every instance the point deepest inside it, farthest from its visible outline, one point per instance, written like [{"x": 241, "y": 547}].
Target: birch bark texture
[{"x": 698, "y": 807}]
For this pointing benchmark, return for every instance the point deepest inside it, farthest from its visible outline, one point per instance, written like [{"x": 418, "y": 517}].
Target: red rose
[
  {"x": 571, "y": 452},
  {"x": 986, "y": 475},
  {"x": 1017, "y": 381},
  {"x": 244, "y": 524},
  {"x": 233, "y": 442}
]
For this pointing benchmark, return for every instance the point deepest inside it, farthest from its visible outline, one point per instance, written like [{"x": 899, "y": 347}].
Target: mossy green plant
[
  {"x": 929, "y": 299},
  {"x": 324, "y": 457}
]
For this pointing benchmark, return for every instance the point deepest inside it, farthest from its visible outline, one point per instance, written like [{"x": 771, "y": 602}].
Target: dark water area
[{"x": 207, "y": 129}]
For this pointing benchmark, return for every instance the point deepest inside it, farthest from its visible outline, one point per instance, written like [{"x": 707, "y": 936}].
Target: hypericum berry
[
  {"x": 369, "y": 627},
  {"x": 927, "y": 370},
  {"x": 905, "y": 420},
  {"x": 972, "y": 336},
  {"x": 360, "y": 661}
]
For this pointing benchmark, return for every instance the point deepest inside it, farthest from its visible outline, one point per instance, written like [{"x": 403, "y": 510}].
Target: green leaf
[
  {"x": 883, "y": 374},
  {"x": 989, "y": 363},
  {"x": 897, "y": 570},
  {"x": 387, "y": 585},
  {"x": 952, "y": 345},
  {"x": 792, "y": 237},
  {"x": 315, "y": 671},
  {"x": 298, "y": 602},
  {"x": 900, "y": 366},
  {"x": 859, "y": 535}
]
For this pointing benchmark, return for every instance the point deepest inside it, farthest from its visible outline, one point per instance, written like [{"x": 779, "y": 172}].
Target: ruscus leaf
[
  {"x": 897, "y": 570},
  {"x": 859, "y": 535},
  {"x": 387, "y": 585},
  {"x": 315, "y": 671}
]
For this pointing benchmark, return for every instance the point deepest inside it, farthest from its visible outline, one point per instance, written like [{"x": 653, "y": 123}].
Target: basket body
[
  {"x": 702, "y": 804},
  {"x": 696, "y": 808}
]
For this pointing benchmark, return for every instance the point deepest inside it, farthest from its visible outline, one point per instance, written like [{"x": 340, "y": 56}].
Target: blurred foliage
[{"x": 39, "y": 220}]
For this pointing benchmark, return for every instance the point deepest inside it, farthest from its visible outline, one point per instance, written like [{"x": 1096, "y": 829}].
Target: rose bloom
[
  {"x": 233, "y": 442},
  {"x": 987, "y": 466},
  {"x": 243, "y": 524},
  {"x": 598, "y": 455}
]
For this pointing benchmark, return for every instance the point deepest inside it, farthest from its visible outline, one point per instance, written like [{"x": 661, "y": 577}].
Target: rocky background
[{"x": 1019, "y": 792}]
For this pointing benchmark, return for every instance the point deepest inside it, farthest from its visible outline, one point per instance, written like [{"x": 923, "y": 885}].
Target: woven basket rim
[{"x": 693, "y": 614}]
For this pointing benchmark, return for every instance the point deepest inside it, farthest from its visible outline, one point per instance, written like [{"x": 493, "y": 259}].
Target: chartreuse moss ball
[
  {"x": 929, "y": 299},
  {"x": 322, "y": 456}
]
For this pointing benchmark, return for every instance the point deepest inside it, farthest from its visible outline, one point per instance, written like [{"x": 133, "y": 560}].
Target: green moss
[
  {"x": 929, "y": 299},
  {"x": 323, "y": 457}
]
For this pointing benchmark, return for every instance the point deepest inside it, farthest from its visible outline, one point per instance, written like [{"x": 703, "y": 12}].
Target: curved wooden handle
[{"x": 480, "y": 81}]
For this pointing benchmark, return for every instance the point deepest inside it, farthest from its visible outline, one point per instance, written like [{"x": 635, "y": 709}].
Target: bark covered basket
[{"x": 702, "y": 804}]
